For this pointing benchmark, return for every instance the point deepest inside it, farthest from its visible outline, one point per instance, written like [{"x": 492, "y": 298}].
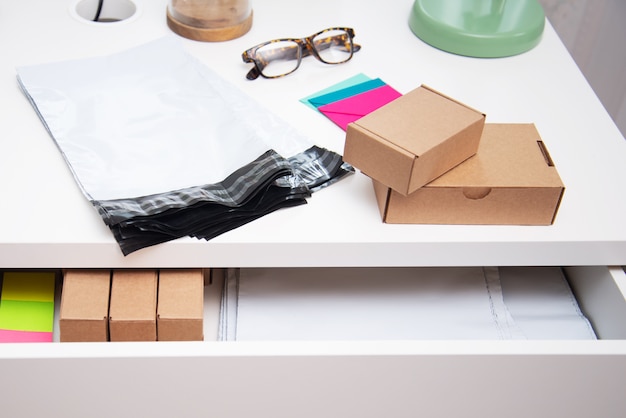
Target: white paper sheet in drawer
[
  {"x": 400, "y": 303},
  {"x": 542, "y": 304}
]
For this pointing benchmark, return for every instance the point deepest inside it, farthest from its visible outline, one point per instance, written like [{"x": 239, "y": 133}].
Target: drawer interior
[{"x": 598, "y": 290}]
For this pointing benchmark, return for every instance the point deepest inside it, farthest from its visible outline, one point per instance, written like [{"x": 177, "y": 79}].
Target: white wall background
[{"x": 594, "y": 32}]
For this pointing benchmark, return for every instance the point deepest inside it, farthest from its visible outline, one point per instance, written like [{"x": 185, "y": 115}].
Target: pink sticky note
[
  {"x": 10, "y": 336},
  {"x": 353, "y": 108}
]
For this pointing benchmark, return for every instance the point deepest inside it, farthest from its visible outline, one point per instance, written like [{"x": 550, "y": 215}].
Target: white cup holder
[{"x": 112, "y": 11}]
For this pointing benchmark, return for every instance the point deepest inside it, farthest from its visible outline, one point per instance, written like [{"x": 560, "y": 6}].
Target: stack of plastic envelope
[
  {"x": 400, "y": 303},
  {"x": 165, "y": 148}
]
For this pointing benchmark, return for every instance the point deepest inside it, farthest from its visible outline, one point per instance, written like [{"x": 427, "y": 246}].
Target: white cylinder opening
[{"x": 105, "y": 11}]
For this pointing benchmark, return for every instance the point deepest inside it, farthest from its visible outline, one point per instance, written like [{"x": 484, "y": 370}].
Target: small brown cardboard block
[
  {"x": 84, "y": 311},
  {"x": 132, "y": 312},
  {"x": 413, "y": 139},
  {"x": 510, "y": 181},
  {"x": 180, "y": 305}
]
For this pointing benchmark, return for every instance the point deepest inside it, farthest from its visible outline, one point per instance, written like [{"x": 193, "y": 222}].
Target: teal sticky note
[
  {"x": 357, "y": 79},
  {"x": 345, "y": 93}
]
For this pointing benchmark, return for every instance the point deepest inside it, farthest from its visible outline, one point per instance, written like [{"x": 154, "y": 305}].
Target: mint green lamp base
[{"x": 479, "y": 28}]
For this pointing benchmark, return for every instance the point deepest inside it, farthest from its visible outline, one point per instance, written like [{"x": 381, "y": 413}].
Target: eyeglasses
[{"x": 280, "y": 57}]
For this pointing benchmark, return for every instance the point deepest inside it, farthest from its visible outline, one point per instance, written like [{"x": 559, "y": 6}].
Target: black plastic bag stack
[{"x": 164, "y": 148}]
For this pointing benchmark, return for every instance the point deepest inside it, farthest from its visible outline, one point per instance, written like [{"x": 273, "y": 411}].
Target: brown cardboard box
[
  {"x": 414, "y": 139},
  {"x": 180, "y": 305},
  {"x": 132, "y": 312},
  {"x": 511, "y": 180},
  {"x": 84, "y": 308}
]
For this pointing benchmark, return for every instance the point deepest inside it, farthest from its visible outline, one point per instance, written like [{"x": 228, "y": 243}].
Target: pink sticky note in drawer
[
  {"x": 348, "y": 110},
  {"x": 11, "y": 336}
]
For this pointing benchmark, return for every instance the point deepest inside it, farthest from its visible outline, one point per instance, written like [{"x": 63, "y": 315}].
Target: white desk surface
[{"x": 46, "y": 221}]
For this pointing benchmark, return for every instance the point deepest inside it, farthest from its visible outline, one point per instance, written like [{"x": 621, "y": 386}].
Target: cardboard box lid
[
  {"x": 181, "y": 294},
  {"x": 414, "y": 139},
  {"x": 85, "y": 294},
  {"x": 423, "y": 112},
  {"x": 133, "y": 295},
  {"x": 509, "y": 155}
]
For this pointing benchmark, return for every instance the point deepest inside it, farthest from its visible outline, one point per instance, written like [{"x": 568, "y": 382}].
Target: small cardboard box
[
  {"x": 84, "y": 311},
  {"x": 414, "y": 139},
  {"x": 132, "y": 311},
  {"x": 510, "y": 181},
  {"x": 180, "y": 305}
]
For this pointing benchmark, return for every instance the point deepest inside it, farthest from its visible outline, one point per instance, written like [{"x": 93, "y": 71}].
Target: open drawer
[{"x": 335, "y": 378}]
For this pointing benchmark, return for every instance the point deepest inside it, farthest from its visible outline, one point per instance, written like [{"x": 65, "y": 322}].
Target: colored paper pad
[
  {"x": 354, "y": 80},
  {"x": 353, "y": 108},
  {"x": 345, "y": 93},
  {"x": 351, "y": 99},
  {"x": 27, "y": 307}
]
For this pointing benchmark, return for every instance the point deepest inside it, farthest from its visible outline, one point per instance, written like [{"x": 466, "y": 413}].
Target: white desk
[{"x": 47, "y": 223}]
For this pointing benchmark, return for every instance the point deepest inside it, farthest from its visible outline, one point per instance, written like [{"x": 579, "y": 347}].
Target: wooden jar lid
[{"x": 209, "y": 34}]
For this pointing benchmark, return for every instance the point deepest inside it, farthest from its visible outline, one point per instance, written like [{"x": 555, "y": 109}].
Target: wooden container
[{"x": 209, "y": 20}]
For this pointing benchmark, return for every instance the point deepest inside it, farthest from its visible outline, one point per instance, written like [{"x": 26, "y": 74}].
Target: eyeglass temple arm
[{"x": 254, "y": 73}]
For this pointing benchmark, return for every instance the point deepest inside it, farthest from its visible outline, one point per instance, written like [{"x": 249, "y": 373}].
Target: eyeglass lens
[
  {"x": 333, "y": 46},
  {"x": 279, "y": 58},
  {"x": 283, "y": 57}
]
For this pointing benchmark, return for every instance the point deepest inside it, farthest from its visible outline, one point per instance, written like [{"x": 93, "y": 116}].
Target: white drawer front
[{"x": 333, "y": 378}]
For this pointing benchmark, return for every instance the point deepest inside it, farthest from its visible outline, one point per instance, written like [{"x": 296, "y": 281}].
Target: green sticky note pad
[
  {"x": 28, "y": 286},
  {"x": 17, "y": 315}
]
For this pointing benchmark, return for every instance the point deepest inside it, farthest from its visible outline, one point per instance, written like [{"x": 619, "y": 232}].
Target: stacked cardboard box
[
  {"x": 181, "y": 305},
  {"x": 434, "y": 160},
  {"x": 132, "y": 310},
  {"x": 85, "y": 306},
  {"x": 132, "y": 305}
]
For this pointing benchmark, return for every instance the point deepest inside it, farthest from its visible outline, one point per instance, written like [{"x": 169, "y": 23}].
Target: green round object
[{"x": 479, "y": 28}]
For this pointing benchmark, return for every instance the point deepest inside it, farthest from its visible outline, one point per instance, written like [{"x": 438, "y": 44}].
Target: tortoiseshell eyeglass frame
[{"x": 305, "y": 48}]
